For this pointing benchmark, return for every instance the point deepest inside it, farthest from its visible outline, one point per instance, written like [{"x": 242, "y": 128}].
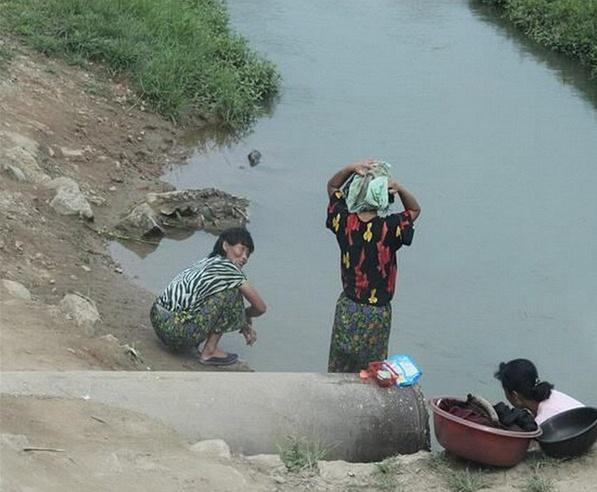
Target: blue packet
[{"x": 405, "y": 368}]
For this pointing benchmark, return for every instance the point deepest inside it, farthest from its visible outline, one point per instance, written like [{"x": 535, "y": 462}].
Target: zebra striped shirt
[{"x": 192, "y": 286}]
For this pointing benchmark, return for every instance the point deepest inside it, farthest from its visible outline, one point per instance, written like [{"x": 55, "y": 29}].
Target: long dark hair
[
  {"x": 233, "y": 236},
  {"x": 521, "y": 375}
]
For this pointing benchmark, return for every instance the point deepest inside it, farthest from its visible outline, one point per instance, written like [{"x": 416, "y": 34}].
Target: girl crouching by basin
[
  {"x": 524, "y": 389},
  {"x": 206, "y": 300}
]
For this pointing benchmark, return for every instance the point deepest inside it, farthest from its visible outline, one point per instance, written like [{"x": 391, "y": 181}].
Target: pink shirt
[{"x": 557, "y": 402}]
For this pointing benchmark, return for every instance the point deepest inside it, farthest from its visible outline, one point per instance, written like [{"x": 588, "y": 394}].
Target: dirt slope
[{"x": 61, "y": 121}]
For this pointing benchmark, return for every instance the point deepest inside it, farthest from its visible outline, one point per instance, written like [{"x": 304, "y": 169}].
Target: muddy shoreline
[{"x": 60, "y": 121}]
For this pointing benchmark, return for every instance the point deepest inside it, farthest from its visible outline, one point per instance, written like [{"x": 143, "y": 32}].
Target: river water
[{"x": 496, "y": 137}]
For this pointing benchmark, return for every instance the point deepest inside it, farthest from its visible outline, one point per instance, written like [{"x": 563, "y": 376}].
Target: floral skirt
[
  {"x": 220, "y": 313},
  {"x": 360, "y": 335}
]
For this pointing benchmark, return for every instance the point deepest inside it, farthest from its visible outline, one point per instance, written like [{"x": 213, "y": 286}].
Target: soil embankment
[
  {"x": 75, "y": 444},
  {"x": 58, "y": 121}
]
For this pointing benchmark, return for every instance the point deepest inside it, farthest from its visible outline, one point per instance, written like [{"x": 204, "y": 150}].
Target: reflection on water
[
  {"x": 144, "y": 247},
  {"x": 497, "y": 146},
  {"x": 567, "y": 70}
]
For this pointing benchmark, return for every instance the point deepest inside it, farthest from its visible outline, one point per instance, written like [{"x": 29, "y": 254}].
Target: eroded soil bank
[{"x": 58, "y": 121}]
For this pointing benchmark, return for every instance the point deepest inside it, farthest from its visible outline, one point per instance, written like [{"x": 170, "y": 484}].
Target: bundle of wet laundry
[{"x": 479, "y": 410}]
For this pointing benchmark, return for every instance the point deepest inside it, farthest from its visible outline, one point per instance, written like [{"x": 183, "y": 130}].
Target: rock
[
  {"x": 14, "y": 441},
  {"x": 195, "y": 209},
  {"x": 15, "y": 173},
  {"x": 81, "y": 310},
  {"x": 110, "y": 339},
  {"x": 212, "y": 448},
  {"x": 100, "y": 201},
  {"x": 69, "y": 200},
  {"x": 265, "y": 462},
  {"x": 72, "y": 153},
  {"x": 62, "y": 182},
  {"x": 254, "y": 157},
  {"x": 142, "y": 220},
  {"x": 15, "y": 289},
  {"x": 208, "y": 208},
  {"x": 21, "y": 151}
]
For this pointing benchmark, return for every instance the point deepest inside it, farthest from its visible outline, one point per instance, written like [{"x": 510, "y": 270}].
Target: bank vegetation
[
  {"x": 180, "y": 56},
  {"x": 567, "y": 26}
]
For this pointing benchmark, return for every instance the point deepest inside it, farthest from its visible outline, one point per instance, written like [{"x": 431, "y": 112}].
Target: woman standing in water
[
  {"x": 524, "y": 389},
  {"x": 206, "y": 300},
  {"x": 368, "y": 243}
]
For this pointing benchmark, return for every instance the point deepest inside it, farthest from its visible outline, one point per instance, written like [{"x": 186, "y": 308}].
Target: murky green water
[{"x": 495, "y": 136}]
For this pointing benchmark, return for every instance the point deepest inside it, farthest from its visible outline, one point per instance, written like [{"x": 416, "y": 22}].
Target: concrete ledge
[{"x": 254, "y": 412}]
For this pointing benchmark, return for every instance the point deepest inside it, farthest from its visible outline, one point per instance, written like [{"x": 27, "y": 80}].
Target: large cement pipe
[{"x": 255, "y": 412}]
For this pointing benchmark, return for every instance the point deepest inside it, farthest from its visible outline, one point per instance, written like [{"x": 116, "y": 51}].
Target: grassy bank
[
  {"x": 180, "y": 55},
  {"x": 568, "y": 26}
]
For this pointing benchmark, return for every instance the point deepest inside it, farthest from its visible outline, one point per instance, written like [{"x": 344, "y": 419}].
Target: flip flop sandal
[{"x": 219, "y": 361}]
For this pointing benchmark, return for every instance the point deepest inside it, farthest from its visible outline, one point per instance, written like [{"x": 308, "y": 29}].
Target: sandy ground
[
  {"x": 55, "y": 121},
  {"x": 63, "y": 444}
]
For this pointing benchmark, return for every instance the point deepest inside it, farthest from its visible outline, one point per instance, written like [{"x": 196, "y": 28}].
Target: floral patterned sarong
[
  {"x": 219, "y": 313},
  {"x": 360, "y": 335}
]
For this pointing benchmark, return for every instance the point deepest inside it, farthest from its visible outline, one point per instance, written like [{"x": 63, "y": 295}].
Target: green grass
[
  {"x": 438, "y": 461},
  {"x": 5, "y": 56},
  {"x": 537, "y": 483},
  {"x": 297, "y": 454},
  {"x": 466, "y": 481},
  {"x": 180, "y": 55},
  {"x": 386, "y": 472},
  {"x": 537, "y": 460},
  {"x": 568, "y": 26}
]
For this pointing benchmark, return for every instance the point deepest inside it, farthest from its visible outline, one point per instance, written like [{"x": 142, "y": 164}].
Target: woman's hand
[
  {"x": 361, "y": 167},
  {"x": 250, "y": 335},
  {"x": 393, "y": 186},
  {"x": 338, "y": 179},
  {"x": 408, "y": 200}
]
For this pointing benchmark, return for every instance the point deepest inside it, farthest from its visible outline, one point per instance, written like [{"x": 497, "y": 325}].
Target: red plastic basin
[{"x": 476, "y": 442}]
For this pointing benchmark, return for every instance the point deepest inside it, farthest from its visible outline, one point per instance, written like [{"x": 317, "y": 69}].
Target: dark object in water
[
  {"x": 254, "y": 157},
  {"x": 570, "y": 433},
  {"x": 479, "y": 443}
]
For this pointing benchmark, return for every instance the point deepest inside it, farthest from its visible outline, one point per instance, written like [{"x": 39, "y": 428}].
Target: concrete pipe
[{"x": 255, "y": 412}]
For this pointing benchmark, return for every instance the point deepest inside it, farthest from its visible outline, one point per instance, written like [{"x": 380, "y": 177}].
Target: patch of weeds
[
  {"x": 5, "y": 56},
  {"x": 539, "y": 459},
  {"x": 537, "y": 483},
  {"x": 466, "y": 481},
  {"x": 298, "y": 454},
  {"x": 180, "y": 56},
  {"x": 385, "y": 473},
  {"x": 438, "y": 461},
  {"x": 96, "y": 89}
]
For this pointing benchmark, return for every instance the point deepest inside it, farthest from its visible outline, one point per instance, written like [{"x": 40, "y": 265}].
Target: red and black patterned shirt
[{"x": 368, "y": 250}]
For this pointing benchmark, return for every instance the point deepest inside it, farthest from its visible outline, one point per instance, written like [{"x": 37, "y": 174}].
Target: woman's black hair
[
  {"x": 521, "y": 375},
  {"x": 233, "y": 236}
]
